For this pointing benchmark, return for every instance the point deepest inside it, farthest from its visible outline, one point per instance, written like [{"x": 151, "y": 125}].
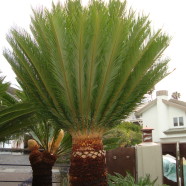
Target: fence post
[{"x": 149, "y": 161}]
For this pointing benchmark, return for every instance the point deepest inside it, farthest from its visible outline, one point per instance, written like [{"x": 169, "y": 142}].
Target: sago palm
[
  {"x": 86, "y": 68},
  {"x": 6, "y": 98},
  {"x": 54, "y": 144},
  {"x": 46, "y": 134}
]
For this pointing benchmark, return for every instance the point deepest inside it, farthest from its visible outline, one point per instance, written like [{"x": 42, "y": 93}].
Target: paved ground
[{"x": 19, "y": 174}]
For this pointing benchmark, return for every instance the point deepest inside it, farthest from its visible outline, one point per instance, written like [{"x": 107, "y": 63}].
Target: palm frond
[
  {"x": 46, "y": 132},
  {"x": 15, "y": 117},
  {"x": 87, "y": 67}
]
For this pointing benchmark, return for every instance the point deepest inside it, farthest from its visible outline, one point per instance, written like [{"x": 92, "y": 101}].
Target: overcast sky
[{"x": 170, "y": 15}]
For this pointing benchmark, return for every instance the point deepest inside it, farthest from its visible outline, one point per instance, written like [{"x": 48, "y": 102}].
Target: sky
[{"x": 169, "y": 15}]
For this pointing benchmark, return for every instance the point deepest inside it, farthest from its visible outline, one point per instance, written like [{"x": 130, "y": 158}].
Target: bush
[
  {"x": 119, "y": 180},
  {"x": 125, "y": 134}
]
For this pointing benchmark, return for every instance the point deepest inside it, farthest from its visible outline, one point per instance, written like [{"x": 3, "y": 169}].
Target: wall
[
  {"x": 174, "y": 138},
  {"x": 150, "y": 120},
  {"x": 179, "y": 137},
  {"x": 162, "y": 116},
  {"x": 149, "y": 161},
  {"x": 174, "y": 112}
]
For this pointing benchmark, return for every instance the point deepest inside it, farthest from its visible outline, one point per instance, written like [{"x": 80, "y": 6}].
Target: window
[
  {"x": 181, "y": 121},
  {"x": 178, "y": 121},
  {"x": 175, "y": 122}
]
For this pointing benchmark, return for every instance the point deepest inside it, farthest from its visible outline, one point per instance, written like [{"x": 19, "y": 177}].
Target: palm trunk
[
  {"x": 42, "y": 163},
  {"x": 88, "y": 167}
]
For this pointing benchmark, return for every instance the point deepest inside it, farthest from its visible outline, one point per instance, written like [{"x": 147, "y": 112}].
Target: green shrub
[{"x": 119, "y": 180}]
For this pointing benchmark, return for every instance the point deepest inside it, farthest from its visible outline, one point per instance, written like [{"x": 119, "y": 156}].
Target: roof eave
[{"x": 146, "y": 107}]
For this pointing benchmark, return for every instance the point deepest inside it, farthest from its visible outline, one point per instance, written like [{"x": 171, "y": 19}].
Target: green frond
[
  {"x": 87, "y": 67},
  {"x": 45, "y": 131},
  {"x": 3, "y": 87},
  {"x": 15, "y": 117},
  {"x": 8, "y": 99},
  {"x": 5, "y": 97}
]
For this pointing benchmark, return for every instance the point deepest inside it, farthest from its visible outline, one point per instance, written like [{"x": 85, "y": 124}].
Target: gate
[
  {"x": 177, "y": 150},
  {"x": 182, "y": 149},
  {"x": 170, "y": 149},
  {"x": 121, "y": 160}
]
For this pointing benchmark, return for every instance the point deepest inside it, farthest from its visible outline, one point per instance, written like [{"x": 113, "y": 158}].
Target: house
[{"x": 166, "y": 116}]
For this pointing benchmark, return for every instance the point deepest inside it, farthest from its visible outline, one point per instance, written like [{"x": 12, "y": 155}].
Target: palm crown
[{"x": 85, "y": 67}]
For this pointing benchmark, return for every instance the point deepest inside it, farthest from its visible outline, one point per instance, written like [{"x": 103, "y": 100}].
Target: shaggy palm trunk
[
  {"x": 42, "y": 163},
  {"x": 88, "y": 166}
]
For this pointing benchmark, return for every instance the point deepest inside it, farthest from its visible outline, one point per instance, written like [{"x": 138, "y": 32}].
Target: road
[{"x": 19, "y": 174}]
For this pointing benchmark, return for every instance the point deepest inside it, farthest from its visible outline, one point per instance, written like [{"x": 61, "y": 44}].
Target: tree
[
  {"x": 150, "y": 92},
  {"x": 176, "y": 95},
  {"x": 85, "y": 68},
  {"x": 125, "y": 134}
]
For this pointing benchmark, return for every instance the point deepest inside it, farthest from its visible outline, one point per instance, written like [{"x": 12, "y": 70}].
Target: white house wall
[
  {"x": 159, "y": 115},
  {"x": 174, "y": 138},
  {"x": 162, "y": 118},
  {"x": 175, "y": 112},
  {"x": 150, "y": 120}
]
